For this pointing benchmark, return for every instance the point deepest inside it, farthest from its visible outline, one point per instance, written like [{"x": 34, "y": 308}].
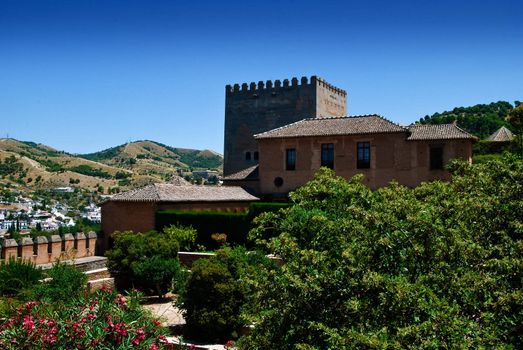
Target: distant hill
[
  {"x": 149, "y": 157},
  {"x": 31, "y": 165},
  {"x": 480, "y": 120}
]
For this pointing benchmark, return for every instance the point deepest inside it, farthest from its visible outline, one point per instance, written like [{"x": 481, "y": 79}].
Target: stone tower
[{"x": 255, "y": 108}]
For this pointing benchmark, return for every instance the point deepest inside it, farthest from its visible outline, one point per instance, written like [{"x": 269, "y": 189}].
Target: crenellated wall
[
  {"x": 257, "y": 107},
  {"x": 43, "y": 250}
]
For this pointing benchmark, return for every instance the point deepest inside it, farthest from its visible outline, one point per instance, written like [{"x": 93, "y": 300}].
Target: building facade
[{"x": 255, "y": 108}]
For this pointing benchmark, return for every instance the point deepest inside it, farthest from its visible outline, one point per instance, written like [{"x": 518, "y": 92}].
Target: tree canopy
[
  {"x": 481, "y": 120},
  {"x": 437, "y": 266}
]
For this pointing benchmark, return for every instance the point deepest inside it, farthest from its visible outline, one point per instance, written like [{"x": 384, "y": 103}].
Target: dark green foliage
[
  {"x": 103, "y": 155},
  {"x": 10, "y": 166},
  {"x": 122, "y": 175},
  {"x": 481, "y": 120},
  {"x": 17, "y": 275},
  {"x": 66, "y": 282},
  {"x": 438, "y": 266},
  {"x": 216, "y": 293},
  {"x": 51, "y": 166},
  {"x": 156, "y": 274},
  {"x": 234, "y": 225},
  {"x": 90, "y": 171},
  {"x": 131, "y": 250}
]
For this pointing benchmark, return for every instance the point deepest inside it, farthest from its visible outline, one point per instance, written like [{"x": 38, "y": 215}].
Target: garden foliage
[
  {"x": 103, "y": 320},
  {"x": 216, "y": 292},
  {"x": 437, "y": 266},
  {"x": 235, "y": 225},
  {"x": 17, "y": 276},
  {"x": 65, "y": 282},
  {"x": 146, "y": 261}
]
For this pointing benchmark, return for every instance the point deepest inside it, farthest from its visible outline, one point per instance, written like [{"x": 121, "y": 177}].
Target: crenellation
[{"x": 261, "y": 106}]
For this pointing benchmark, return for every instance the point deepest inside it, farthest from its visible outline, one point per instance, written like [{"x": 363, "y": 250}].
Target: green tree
[
  {"x": 438, "y": 266},
  {"x": 515, "y": 118}
]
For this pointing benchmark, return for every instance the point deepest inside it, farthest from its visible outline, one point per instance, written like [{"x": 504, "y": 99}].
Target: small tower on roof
[{"x": 501, "y": 135}]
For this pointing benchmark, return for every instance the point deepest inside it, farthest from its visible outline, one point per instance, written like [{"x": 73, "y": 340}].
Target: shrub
[
  {"x": 17, "y": 275},
  {"x": 66, "y": 282},
  {"x": 103, "y": 320},
  {"x": 185, "y": 236},
  {"x": 156, "y": 274},
  {"x": 131, "y": 251},
  {"x": 234, "y": 225},
  {"x": 215, "y": 294}
]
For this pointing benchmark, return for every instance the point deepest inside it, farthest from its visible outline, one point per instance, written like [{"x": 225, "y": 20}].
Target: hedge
[{"x": 234, "y": 225}]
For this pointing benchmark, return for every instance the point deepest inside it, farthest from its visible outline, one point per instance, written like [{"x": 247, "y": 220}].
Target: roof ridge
[{"x": 283, "y": 127}]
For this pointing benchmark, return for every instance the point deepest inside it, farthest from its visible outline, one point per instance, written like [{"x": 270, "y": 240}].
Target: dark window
[
  {"x": 436, "y": 157},
  {"x": 247, "y": 155},
  {"x": 256, "y": 155},
  {"x": 363, "y": 155},
  {"x": 290, "y": 159},
  {"x": 278, "y": 182},
  {"x": 327, "y": 155}
]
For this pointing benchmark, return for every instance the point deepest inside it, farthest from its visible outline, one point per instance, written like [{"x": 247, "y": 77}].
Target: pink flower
[
  {"x": 229, "y": 345},
  {"x": 28, "y": 324},
  {"x": 153, "y": 346},
  {"x": 157, "y": 323},
  {"x": 121, "y": 300},
  {"x": 135, "y": 342}
]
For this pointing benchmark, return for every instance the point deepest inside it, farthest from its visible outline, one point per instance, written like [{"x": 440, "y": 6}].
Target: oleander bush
[{"x": 103, "y": 320}]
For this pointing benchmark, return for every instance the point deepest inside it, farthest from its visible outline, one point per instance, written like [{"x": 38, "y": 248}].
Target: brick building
[
  {"x": 276, "y": 139},
  {"x": 135, "y": 210}
]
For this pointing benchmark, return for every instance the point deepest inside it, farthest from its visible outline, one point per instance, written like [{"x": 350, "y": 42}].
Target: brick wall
[
  {"x": 43, "y": 250},
  {"x": 392, "y": 158}
]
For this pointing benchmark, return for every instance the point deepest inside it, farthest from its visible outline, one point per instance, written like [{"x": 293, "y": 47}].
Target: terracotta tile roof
[
  {"x": 250, "y": 173},
  {"x": 185, "y": 193},
  {"x": 354, "y": 125},
  {"x": 438, "y": 132},
  {"x": 501, "y": 135}
]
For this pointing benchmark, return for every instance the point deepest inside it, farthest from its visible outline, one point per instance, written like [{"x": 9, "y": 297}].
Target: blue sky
[{"x": 85, "y": 75}]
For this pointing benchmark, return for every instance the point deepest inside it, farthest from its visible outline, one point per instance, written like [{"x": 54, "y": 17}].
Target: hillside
[
  {"x": 156, "y": 159},
  {"x": 480, "y": 120},
  {"x": 30, "y": 165}
]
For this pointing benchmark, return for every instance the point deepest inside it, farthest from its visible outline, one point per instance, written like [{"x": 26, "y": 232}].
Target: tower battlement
[
  {"x": 252, "y": 108},
  {"x": 270, "y": 86}
]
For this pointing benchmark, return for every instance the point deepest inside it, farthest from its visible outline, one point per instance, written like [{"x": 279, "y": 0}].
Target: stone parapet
[{"x": 42, "y": 250}]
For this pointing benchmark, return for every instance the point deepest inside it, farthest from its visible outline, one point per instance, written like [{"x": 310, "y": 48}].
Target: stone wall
[
  {"x": 255, "y": 108},
  {"x": 43, "y": 250}
]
